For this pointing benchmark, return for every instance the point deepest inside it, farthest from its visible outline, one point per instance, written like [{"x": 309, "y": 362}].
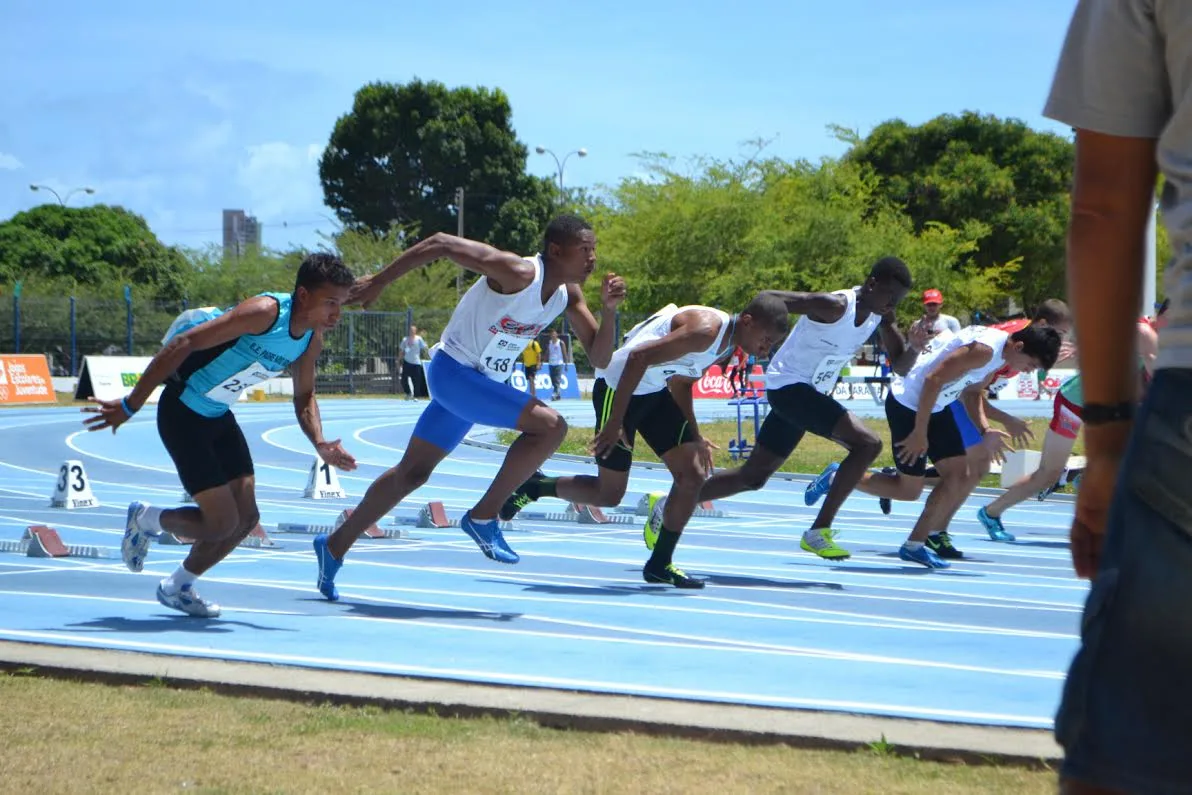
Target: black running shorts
[
  {"x": 944, "y": 439},
  {"x": 656, "y": 416},
  {"x": 208, "y": 452},
  {"x": 795, "y": 410}
]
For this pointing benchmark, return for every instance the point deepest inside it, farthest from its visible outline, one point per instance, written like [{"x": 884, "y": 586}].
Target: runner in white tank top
[
  {"x": 515, "y": 298},
  {"x": 646, "y": 389},
  {"x": 799, "y": 385},
  {"x": 922, "y": 425}
]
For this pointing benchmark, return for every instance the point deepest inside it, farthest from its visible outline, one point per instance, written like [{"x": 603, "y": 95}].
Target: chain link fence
[{"x": 361, "y": 355}]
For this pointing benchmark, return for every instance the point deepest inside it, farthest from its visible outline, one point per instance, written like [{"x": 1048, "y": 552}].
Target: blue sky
[{"x": 178, "y": 111}]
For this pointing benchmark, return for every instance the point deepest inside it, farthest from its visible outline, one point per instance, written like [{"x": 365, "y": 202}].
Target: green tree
[
  {"x": 90, "y": 247},
  {"x": 1000, "y": 173},
  {"x": 215, "y": 280},
  {"x": 398, "y": 156}
]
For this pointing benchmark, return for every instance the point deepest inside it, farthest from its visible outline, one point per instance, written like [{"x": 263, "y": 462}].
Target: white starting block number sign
[
  {"x": 73, "y": 488},
  {"x": 323, "y": 482}
]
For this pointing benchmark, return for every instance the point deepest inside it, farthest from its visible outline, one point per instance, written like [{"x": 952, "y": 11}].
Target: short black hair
[
  {"x": 322, "y": 268},
  {"x": 564, "y": 229},
  {"x": 1039, "y": 342},
  {"x": 770, "y": 310},
  {"x": 891, "y": 269},
  {"x": 1052, "y": 311}
]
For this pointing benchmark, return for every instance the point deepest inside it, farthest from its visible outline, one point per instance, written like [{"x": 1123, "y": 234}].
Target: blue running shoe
[
  {"x": 489, "y": 538},
  {"x": 135, "y": 544},
  {"x": 993, "y": 526},
  {"x": 819, "y": 487},
  {"x": 328, "y": 568},
  {"x": 923, "y": 556}
]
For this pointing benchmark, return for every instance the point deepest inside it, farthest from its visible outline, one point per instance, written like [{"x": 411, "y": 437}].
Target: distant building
[{"x": 241, "y": 233}]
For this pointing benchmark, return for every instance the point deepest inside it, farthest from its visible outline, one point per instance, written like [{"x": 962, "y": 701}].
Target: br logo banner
[{"x": 25, "y": 378}]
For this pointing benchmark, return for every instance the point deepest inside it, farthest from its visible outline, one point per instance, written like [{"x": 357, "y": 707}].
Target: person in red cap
[{"x": 936, "y": 321}]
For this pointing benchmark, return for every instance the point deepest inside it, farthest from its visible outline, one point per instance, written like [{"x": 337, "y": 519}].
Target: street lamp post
[
  {"x": 542, "y": 150},
  {"x": 62, "y": 201}
]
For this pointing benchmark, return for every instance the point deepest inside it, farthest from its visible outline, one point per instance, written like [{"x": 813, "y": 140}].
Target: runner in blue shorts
[{"x": 517, "y": 298}]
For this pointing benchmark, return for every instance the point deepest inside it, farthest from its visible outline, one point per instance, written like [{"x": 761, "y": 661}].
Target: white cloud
[
  {"x": 9, "y": 162},
  {"x": 281, "y": 180}
]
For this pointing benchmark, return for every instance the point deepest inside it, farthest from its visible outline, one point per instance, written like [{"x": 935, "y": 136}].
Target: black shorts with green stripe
[{"x": 656, "y": 416}]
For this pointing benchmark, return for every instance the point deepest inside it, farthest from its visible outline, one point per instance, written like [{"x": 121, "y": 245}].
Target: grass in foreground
[
  {"x": 69, "y": 737},
  {"x": 811, "y": 456}
]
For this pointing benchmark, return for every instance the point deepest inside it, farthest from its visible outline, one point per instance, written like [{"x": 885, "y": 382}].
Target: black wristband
[{"x": 1102, "y": 414}]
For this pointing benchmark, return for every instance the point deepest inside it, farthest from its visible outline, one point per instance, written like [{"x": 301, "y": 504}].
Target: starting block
[
  {"x": 39, "y": 541},
  {"x": 705, "y": 510},
  {"x": 319, "y": 529},
  {"x": 583, "y": 514},
  {"x": 256, "y": 539}
]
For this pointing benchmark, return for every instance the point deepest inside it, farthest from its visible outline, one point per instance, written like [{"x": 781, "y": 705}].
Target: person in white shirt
[
  {"x": 413, "y": 378},
  {"x": 935, "y": 320},
  {"x": 646, "y": 390},
  {"x": 556, "y": 360},
  {"x": 800, "y": 381},
  {"x": 922, "y": 426},
  {"x": 503, "y": 311}
]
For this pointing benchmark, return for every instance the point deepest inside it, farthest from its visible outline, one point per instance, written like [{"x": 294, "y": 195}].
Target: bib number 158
[{"x": 498, "y": 364}]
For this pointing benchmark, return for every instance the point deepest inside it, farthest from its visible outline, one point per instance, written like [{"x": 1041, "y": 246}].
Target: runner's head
[
  {"x": 762, "y": 325},
  {"x": 1055, "y": 313},
  {"x": 888, "y": 283},
  {"x": 321, "y": 289},
  {"x": 1035, "y": 347},
  {"x": 569, "y": 248}
]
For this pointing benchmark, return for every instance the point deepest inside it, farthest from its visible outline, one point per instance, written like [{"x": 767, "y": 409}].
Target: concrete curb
[{"x": 552, "y": 708}]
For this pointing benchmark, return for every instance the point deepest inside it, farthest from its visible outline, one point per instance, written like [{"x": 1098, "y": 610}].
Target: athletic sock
[
  {"x": 173, "y": 584},
  {"x": 913, "y": 545},
  {"x": 546, "y": 487},
  {"x": 150, "y": 519},
  {"x": 664, "y": 548}
]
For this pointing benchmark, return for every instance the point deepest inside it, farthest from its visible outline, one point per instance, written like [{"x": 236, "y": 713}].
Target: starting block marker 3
[
  {"x": 319, "y": 529},
  {"x": 73, "y": 488},
  {"x": 39, "y": 541}
]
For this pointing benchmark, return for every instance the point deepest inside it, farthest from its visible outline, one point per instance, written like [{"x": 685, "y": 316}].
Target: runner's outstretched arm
[
  {"x": 253, "y": 316},
  {"x": 306, "y": 408},
  {"x": 598, "y": 339},
  {"x": 820, "y": 307},
  {"x": 506, "y": 270}
]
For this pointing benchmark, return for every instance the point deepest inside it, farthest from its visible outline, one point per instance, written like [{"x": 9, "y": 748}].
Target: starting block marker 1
[
  {"x": 705, "y": 510},
  {"x": 73, "y": 488},
  {"x": 39, "y": 541},
  {"x": 323, "y": 482},
  {"x": 319, "y": 529},
  {"x": 256, "y": 539}
]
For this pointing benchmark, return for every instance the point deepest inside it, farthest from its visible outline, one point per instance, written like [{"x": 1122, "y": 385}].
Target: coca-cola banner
[{"x": 715, "y": 384}]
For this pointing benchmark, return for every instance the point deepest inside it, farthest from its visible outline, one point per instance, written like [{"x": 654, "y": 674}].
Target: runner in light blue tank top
[
  {"x": 209, "y": 359},
  {"x": 214, "y": 383}
]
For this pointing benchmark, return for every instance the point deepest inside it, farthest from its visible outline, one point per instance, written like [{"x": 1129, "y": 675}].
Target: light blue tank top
[{"x": 214, "y": 379}]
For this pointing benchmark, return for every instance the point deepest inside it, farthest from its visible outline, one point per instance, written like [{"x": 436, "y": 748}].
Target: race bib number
[
  {"x": 500, "y": 355},
  {"x": 823, "y": 380},
  {"x": 229, "y": 391},
  {"x": 950, "y": 392}
]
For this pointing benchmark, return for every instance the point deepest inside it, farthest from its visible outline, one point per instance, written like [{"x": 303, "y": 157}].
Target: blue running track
[{"x": 986, "y": 642}]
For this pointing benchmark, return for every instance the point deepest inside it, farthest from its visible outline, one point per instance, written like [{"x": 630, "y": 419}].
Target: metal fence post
[
  {"x": 352, "y": 354},
  {"x": 16, "y": 318},
  {"x": 409, "y": 321},
  {"x": 128, "y": 314},
  {"x": 74, "y": 339}
]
